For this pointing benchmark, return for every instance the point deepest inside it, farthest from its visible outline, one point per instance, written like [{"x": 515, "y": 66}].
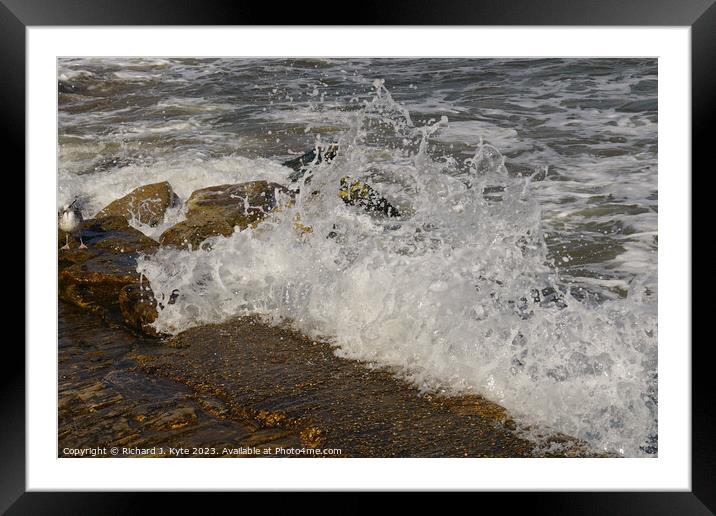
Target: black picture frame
[{"x": 700, "y": 15}]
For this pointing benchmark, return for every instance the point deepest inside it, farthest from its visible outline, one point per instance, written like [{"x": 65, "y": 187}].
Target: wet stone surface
[
  {"x": 245, "y": 384},
  {"x": 107, "y": 400},
  {"x": 286, "y": 380}
]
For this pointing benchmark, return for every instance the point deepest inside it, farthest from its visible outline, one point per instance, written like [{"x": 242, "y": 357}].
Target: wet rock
[
  {"x": 358, "y": 193},
  {"x": 146, "y": 204},
  {"x": 476, "y": 405},
  {"x": 271, "y": 419},
  {"x": 173, "y": 419},
  {"x": 92, "y": 278},
  {"x": 104, "y": 399},
  {"x": 189, "y": 233},
  {"x": 265, "y": 436},
  {"x": 241, "y": 202},
  {"x": 111, "y": 234},
  {"x": 98, "y": 396},
  {"x": 139, "y": 308},
  {"x": 314, "y": 156},
  {"x": 218, "y": 210},
  {"x": 353, "y": 192},
  {"x": 313, "y": 437},
  {"x": 75, "y": 255},
  {"x": 95, "y": 284}
]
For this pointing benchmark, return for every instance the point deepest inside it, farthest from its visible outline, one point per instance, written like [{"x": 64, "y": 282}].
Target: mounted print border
[{"x": 16, "y": 16}]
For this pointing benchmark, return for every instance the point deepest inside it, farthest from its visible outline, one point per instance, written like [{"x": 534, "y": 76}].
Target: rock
[
  {"x": 139, "y": 307},
  {"x": 218, "y": 210},
  {"x": 242, "y": 202},
  {"x": 313, "y": 437},
  {"x": 300, "y": 164},
  {"x": 107, "y": 234},
  {"x": 358, "y": 193},
  {"x": 114, "y": 234},
  {"x": 67, "y": 258},
  {"x": 189, "y": 233},
  {"x": 353, "y": 192},
  {"x": 95, "y": 284},
  {"x": 92, "y": 278},
  {"x": 146, "y": 204},
  {"x": 173, "y": 419}
]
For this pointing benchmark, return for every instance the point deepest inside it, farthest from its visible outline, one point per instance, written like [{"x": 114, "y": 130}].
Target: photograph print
[{"x": 343, "y": 257}]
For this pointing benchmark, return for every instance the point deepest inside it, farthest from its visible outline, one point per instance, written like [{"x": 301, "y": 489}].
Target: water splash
[{"x": 457, "y": 294}]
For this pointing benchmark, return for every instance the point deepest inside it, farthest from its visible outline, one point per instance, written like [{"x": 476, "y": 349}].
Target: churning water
[{"x": 523, "y": 265}]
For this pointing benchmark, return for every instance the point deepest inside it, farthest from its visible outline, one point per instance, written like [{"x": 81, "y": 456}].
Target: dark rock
[
  {"x": 107, "y": 234},
  {"x": 139, "y": 307},
  {"x": 95, "y": 283},
  {"x": 353, "y": 192},
  {"x": 218, "y": 210},
  {"x": 146, "y": 204},
  {"x": 301, "y": 164},
  {"x": 114, "y": 234},
  {"x": 93, "y": 278},
  {"x": 358, "y": 193},
  {"x": 173, "y": 419},
  {"x": 189, "y": 233}
]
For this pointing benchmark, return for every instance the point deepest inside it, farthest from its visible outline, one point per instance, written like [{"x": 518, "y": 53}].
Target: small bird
[{"x": 70, "y": 221}]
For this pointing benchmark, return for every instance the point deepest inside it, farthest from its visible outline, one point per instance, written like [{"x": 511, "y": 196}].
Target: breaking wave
[{"x": 458, "y": 293}]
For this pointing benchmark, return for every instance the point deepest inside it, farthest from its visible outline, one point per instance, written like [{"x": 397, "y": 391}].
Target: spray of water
[{"x": 457, "y": 294}]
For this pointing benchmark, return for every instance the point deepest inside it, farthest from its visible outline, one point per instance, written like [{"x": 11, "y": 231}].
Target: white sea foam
[
  {"x": 185, "y": 175},
  {"x": 467, "y": 132}
]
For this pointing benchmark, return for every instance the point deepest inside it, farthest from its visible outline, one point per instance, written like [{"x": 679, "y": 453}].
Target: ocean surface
[{"x": 523, "y": 266}]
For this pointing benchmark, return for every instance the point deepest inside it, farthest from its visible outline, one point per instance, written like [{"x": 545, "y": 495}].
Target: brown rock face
[
  {"x": 218, "y": 210},
  {"x": 138, "y": 307},
  {"x": 92, "y": 278},
  {"x": 111, "y": 234},
  {"x": 192, "y": 232},
  {"x": 95, "y": 283},
  {"x": 147, "y": 204}
]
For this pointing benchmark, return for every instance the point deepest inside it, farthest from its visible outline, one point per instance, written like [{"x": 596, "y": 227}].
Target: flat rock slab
[
  {"x": 246, "y": 384},
  {"x": 106, "y": 399},
  {"x": 96, "y": 283},
  {"x": 288, "y": 381}
]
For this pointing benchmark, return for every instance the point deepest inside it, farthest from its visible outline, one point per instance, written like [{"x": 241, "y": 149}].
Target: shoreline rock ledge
[
  {"x": 92, "y": 278},
  {"x": 103, "y": 278}
]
